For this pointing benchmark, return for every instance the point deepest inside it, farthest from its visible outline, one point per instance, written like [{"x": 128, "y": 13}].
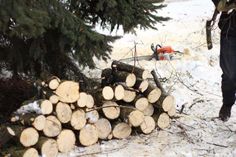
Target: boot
[{"x": 225, "y": 112}]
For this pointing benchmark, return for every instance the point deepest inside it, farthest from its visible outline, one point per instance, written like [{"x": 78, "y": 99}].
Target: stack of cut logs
[{"x": 127, "y": 101}]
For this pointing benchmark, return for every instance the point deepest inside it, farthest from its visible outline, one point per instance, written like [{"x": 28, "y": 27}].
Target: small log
[
  {"x": 104, "y": 128},
  {"x": 66, "y": 141},
  {"x": 148, "y": 125},
  {"x": 141, "y": 103},
  {"x": 133, "y": 117},
  {"x": 110, "y": 136},
  {"x": 26, "y": 152},
  {"x": 128, "y": 78},
  {"x": 78, "y": 119},
  {"x": 157, "y": 81},
  {"x": 141, "y": 85},
  {"x": 54, "y": 99},
  {"x": 29, "y": 137},
  {"x": 107, "y": 77},
  {"x": 68, "y": 91},
  {"x": 46, "y": 107},
  {"x": 162, "y": 120},
  {"x": 52, "y": 127},
  {"x": 166, "y": 102},
  {"x": 39, "y": 122},
  {"x": 107, "y": 93},
  {"x": 120, "y": 66},
  {"x": 172, "y": 111},
  {"x": 152, "y": 94},
  {"x": 81, "y": 102},
  {"x": 121, "y": 131},
  {"x": 92, "y": 116},
  {"x": 63, "y": 112},
  {"x": 53, "y": 82},
  {"x": 111, "y": 109},
  {"x": 119, "y": 92},
  {"x": 88, "y": 135},
  {"x": 47, "y": 147},
  {"x": 72, "y": 106},
  {"x": 149, "y": 110},
  {"x": 129, "y": 96},
  {"x": 90, "y": 101}
]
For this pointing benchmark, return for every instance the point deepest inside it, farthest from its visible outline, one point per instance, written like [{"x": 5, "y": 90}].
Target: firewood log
[
  {"x": 63, "y": 112},
  {"x": 107, "y": 93},
  {"x": 47, "y": 147},
  {"x": 152, "y": 94},
  {"x": 172, "y": 111},
  {"x": 66, "y": 141},
  {"x": 92, "y": 116},
  {"x": 45, "y": 106},
  {"x": 162, "y": 120},
  {"x": 22, "y": 152},
  {"x": 120, "y": 66},
  {"x": 141, "y": 103},
  {"x": 81, "y": 102},
  {"x": 129, "y": 96},
  {"x": 121, "y": 130},
  {"x": 53, "y": 99},
  {"x": 166, "y": 102},
  {"x": 52, "y": 127},
  {"x": 133, "y": 117},
  {"x": 148, "y": 125},
  {"x": 88, "y": 135},
  {"x": 119, "y": 92},
  {"x": 104, "y": 128},
  {"x": 141, "y": 85},
  {"x": 78, "y": 119},
  {"x": 149, "y": 110},
  {"x": 53, "y": 82},
  {"x": 128, "y": 78},
  {"x": 68, "y": 91},
  {"x": 111, "y": 109}
]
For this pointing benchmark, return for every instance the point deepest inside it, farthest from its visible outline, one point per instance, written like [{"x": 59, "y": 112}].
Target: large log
[
  {"x": 121, "y": 130},
  {"x": 25, "y": 152},
  {"x": 133, "y": 117},
  {"x": 128, "y": 78},
  {"x": 88, "y": 135},
  {"x": 120, "y": 66},
  {"x": 152, "y": 94},
  {"x": 47, "y": 147},
  {"x": 66, "y": 141},
  {"x": 148, "y": 125},
  {"x": 68, "y": 91},
  {"x": 111, "y": 109},
  {"x": 63, "y": 112},
  {"x": 78, "y": 119},
  {"x": 104, "y": 128},
  {"x": 52, "y": 127}
]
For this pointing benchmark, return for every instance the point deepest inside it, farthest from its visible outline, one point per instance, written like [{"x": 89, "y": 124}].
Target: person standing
[{"x": 227, "y": 24}]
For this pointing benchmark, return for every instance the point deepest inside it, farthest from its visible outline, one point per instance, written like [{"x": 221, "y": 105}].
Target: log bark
[
  {"x": 121, "y": 131},
  {"x": 149, "y": 110},
  {"x": 53, "y": 82},
  {"x": 152, "y": 94},
  {"x": 148, "y": 125},
  {"x": 141, "y": 85},
  {"x": 68, "y": 91},
  {"x": 46, "y": 107},
  {"x": 157, "y": 81},
  {"x": 88, "y": 135},
  {"x": 63, "y": 112},
  {"x": 111, "y": 109},
  {"x": 104, "y": 128},
  {"x": 92, "y": 116},
  {"x": 166, "y": 102},
  {"x": 78, "y": 119},
  {"x": 120, "y": 66},
  {"x": 129, "y": 96},
  {"x": 133, "y": 117},
  {"x": 47, "y": 147},
  {"x": 107, "y": 77},
  {"x": 128, "y": 78},
  {"x": 52, "y": 127},
  {"x": 26, "y": 152},
  {"x": 66, "y": 141}
]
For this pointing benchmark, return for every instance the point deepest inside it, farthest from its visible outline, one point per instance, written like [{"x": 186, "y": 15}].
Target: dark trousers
[{"x": 228, "y": 66}]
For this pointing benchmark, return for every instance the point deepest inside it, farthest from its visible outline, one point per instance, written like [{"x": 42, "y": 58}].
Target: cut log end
[
  {"x": 141, "y": 104},
  {"x": 39, "y": 122},
  {"x": 52, "y": 127},
  {"x": 78, "y": 119},
  {"x": 111, "y": 110},
  {"x": 90, "y": 101},
  {"x": 168, "y": 103},
  {"x": 29, "y": 137},
  {"x": 104, "y": 128},
  {"x": 130, "y": 80},
  {"x": 63, "y": 112},
  {"x": 163, "y": 121},
  {"x": 145, "y": 74},
  {"x": 148, "y": 125},
  {"x": 54, "y": 99},
  {"x": 172, "y": 111},
  {"x": 119, "y": 92},
  {"x": 136, "y": 118},
  {"x": 154, "y": 95},
  {"x": 149, "y": 110},
  {"x": 121, "y": 131},
  {"x": 54, "y": 83},
  {"x": 66, "y": 141},
  {"x": 107, "y": 93},
  {"x": 46, "y": 107},
  {"x": 48, "y": 147},
  {"x": 143, "y": 86},
  {"x": 81, "y": 102},
  {"x": 88, "y": 135},
  {"x": 129, "y": 96}
]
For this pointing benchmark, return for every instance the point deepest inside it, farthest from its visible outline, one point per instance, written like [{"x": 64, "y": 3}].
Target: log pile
[{"x": 126, "y": 102}]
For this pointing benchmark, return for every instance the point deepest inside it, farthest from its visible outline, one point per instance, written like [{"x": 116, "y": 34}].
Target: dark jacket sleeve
[{"x": 216, "y": 2}]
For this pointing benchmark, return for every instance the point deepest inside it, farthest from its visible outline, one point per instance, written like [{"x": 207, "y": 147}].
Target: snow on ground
[{"x": 194, "y": 80}]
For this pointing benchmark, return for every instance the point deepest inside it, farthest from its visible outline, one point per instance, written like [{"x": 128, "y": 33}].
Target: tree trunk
[
  {"x": 104, "y": 128},
  {"x": 148, "y": 125},
  {"x": 111, "y": 109},
  {"x": 47, "y": 147},
  {"x": 68, "y": 91},
  {"x": 66, "y": 141},
  {"x": 121, "y": 131},
  {"x": 88, "y": 135},
  {"x": 152, "y": 94},
  {"x": 52, "y": 127},
  {"x": 63, "y": 112},
  {"x": 78, "y": 119},
  {"x": 120, "y": 66}
]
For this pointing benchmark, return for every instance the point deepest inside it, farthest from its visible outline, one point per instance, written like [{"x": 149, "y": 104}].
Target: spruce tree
[{"x": 50, "y": 35}]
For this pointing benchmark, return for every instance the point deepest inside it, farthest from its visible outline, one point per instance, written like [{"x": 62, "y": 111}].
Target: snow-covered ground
[{"x": 194, "y": 80}]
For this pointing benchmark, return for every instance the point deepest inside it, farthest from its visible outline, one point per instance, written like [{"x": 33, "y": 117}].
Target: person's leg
[{"x": 228, "y": 66}]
